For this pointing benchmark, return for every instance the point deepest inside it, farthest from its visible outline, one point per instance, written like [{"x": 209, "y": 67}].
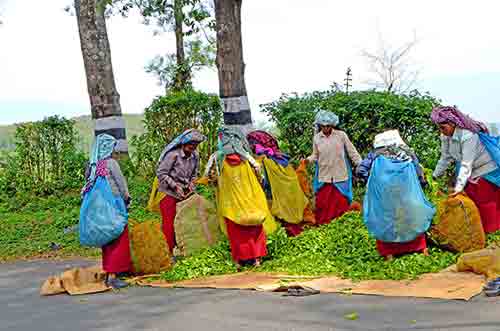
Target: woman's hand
[
  {"x": 454, "y": 194},
  {"x": 192, "y": 187},
  {"x": 179, "y": 191}
]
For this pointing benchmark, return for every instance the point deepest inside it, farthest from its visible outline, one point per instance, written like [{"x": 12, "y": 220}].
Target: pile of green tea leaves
[
  {"x": 493, "y": 239},
  {"x": 342, "y": 248}
]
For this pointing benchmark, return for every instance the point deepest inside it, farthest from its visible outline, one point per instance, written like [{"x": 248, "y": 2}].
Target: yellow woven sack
[
  {"x": 458, "y": 226},
  {"x": 241, "y": 199},
  {"x": 155, "y": 197},
  {"x": 289, "y": 201},
  {"x": 485, "y": 262},
  {"x": 148, "y": 247}
]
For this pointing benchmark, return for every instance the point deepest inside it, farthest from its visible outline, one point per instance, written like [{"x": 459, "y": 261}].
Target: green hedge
[
  {"x": 362, "y": 115},
  {"x": 170, "y": 115}
]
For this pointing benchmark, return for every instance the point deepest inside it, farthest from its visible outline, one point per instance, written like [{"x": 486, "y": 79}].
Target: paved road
[{"x": 22, "y": 309}]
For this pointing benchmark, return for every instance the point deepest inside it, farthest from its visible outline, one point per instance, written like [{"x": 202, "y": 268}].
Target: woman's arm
[
  {"x": 119, "y": 178},
  {"x": 444, "y": 160},
  {"x": 315, "y": 154},
  {"x": 163, "y": 171},
  {"x": 469, "y": 148},
  {"x": 351, "y": 151}
]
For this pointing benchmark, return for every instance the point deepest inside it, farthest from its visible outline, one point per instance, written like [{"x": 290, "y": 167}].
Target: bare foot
[
  {"x": 257, "y": 262},
  {"x": 425, "y": 252},
  {"x": 389, "y": 258}
]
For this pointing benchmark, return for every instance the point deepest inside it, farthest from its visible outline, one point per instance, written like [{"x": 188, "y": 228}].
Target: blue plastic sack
[
  {"x": 492, "y": 145},
  {"x": 102, "y": 215},
  {"x": 395, "y": 208}
]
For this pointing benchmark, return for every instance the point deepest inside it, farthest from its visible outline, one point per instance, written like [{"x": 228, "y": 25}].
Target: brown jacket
[{"x": 177, "y": 169}]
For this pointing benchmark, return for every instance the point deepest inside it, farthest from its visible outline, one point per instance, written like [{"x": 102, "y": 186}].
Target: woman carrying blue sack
[
  {"x": 103, "y": 214},
  {"x": 476, "y": 155},
  {"x": 395, "y": 209}
]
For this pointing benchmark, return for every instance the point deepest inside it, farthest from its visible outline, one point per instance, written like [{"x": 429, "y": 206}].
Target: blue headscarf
[
  {"x": 324, "y": 117},
  {"x": 102, "y": 149},
  {"x": 191, "y": 136}
]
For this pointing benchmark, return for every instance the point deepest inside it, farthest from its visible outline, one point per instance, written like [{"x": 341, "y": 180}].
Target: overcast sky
[{"x": 289, "y": 45}]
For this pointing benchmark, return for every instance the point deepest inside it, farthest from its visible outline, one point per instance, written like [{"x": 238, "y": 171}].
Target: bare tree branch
[{"x": 392, "y": 68}]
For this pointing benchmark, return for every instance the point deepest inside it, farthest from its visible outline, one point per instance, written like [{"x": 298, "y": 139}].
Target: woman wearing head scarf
[
  {"x": 177, "y": 171},
  {"x": 463, "y": 142},
  {"x": 395, "y": 209},
  {"x": 281, "y": 183},
  {"x": 332, "y": 150},
  {"x": 116, "y": 259},
  {"x": 241, "y": 202}
]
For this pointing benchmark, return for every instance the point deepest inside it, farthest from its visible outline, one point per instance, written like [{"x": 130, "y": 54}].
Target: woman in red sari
[
  {"x": 332, "y": 150},
  {"x": 395, "y": 209},
  {"x": 478, "y": 174},
  {"x": 177, "y": 170},
  {"x": 241, "y": 202},
  {"x": 116, "y": 260}
]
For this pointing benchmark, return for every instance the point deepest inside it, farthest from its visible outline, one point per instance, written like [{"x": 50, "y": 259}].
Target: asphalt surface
[{"x": 21, "y": 308}]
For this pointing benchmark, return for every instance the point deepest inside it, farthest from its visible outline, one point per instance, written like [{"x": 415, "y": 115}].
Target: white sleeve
[
  {"x": 445, "y": 159},
  {"x": 469, "y": 148},
  {"x": 210, "y": 164}
]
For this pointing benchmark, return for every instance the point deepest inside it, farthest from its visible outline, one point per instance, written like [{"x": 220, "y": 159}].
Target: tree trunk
[
  {"x": 183, "y": 74},
  {"x": 230, "y": 65},
  {"x": 104, "y": 98}
]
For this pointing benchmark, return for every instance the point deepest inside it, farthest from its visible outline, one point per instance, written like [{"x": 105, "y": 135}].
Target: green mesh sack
[{"x": 196, "y": 225}]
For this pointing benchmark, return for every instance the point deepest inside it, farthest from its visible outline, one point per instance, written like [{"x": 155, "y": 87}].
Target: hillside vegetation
[{"x": 84, "y": 126}]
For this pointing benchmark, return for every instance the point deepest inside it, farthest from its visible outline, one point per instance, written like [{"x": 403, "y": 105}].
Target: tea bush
[
  {"x": 363, "y": 114},
  {"x": 170, "y": 115}
]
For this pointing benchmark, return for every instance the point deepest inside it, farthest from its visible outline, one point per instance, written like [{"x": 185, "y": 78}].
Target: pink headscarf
[{"x": 452, "y": 115}]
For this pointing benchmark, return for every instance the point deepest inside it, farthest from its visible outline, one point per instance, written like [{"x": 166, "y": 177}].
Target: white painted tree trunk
[
  {"x": 96, "y": 53},
  {"x": 231, "y": 67}
]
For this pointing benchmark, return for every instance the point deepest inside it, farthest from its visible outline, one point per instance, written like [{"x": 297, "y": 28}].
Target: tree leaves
[{"x": 362, "y": 114}]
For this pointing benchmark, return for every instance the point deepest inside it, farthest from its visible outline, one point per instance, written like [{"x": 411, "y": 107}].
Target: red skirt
[
  {"x": 292, "y": 230},
  {"x": 247, "y": 242},
  {"x": 330, "y": 204},
  {"x": 168, "y": 209},
  {"x": 486, "y": 196},
  {"x": 116, "y": 255},
  {"x": 416, "y": 245}
]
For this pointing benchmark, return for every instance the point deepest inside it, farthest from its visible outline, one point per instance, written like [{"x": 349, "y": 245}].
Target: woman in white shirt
[
  {"x": 333, "y": 178},
  {"x": 478, "y": 175}
]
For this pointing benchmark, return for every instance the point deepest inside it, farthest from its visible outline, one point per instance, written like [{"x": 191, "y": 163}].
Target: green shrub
[
  {"x": 362, "y": 115},
  {"x": 170, "y": 115},
  {"x": 45, "y": 159}
]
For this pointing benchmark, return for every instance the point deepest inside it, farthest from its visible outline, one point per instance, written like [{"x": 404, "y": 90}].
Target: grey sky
[{"x": 289, "y": 45}]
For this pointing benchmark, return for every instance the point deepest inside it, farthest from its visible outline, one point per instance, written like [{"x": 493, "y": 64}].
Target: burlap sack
[
  {"x": 76, "y": 281},
  {"x": 458, "y": 226},
  {"x": 148, "y": 247},
  {"x": 196, "y": 225},
  {"x": 484, "y": 262}
]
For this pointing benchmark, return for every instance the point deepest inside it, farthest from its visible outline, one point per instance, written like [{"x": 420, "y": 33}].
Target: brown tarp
[
  {"x": 444, "y": 285},
  {"x": 447, "y": 284}
]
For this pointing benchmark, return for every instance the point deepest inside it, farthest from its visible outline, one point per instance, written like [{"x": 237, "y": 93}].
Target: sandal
[
  {"x": 300, "y": 291},
  {"x": 116, "y": 283},
  {"x": 493, "y": 285},
  {"x": 492, "y": 292}
]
